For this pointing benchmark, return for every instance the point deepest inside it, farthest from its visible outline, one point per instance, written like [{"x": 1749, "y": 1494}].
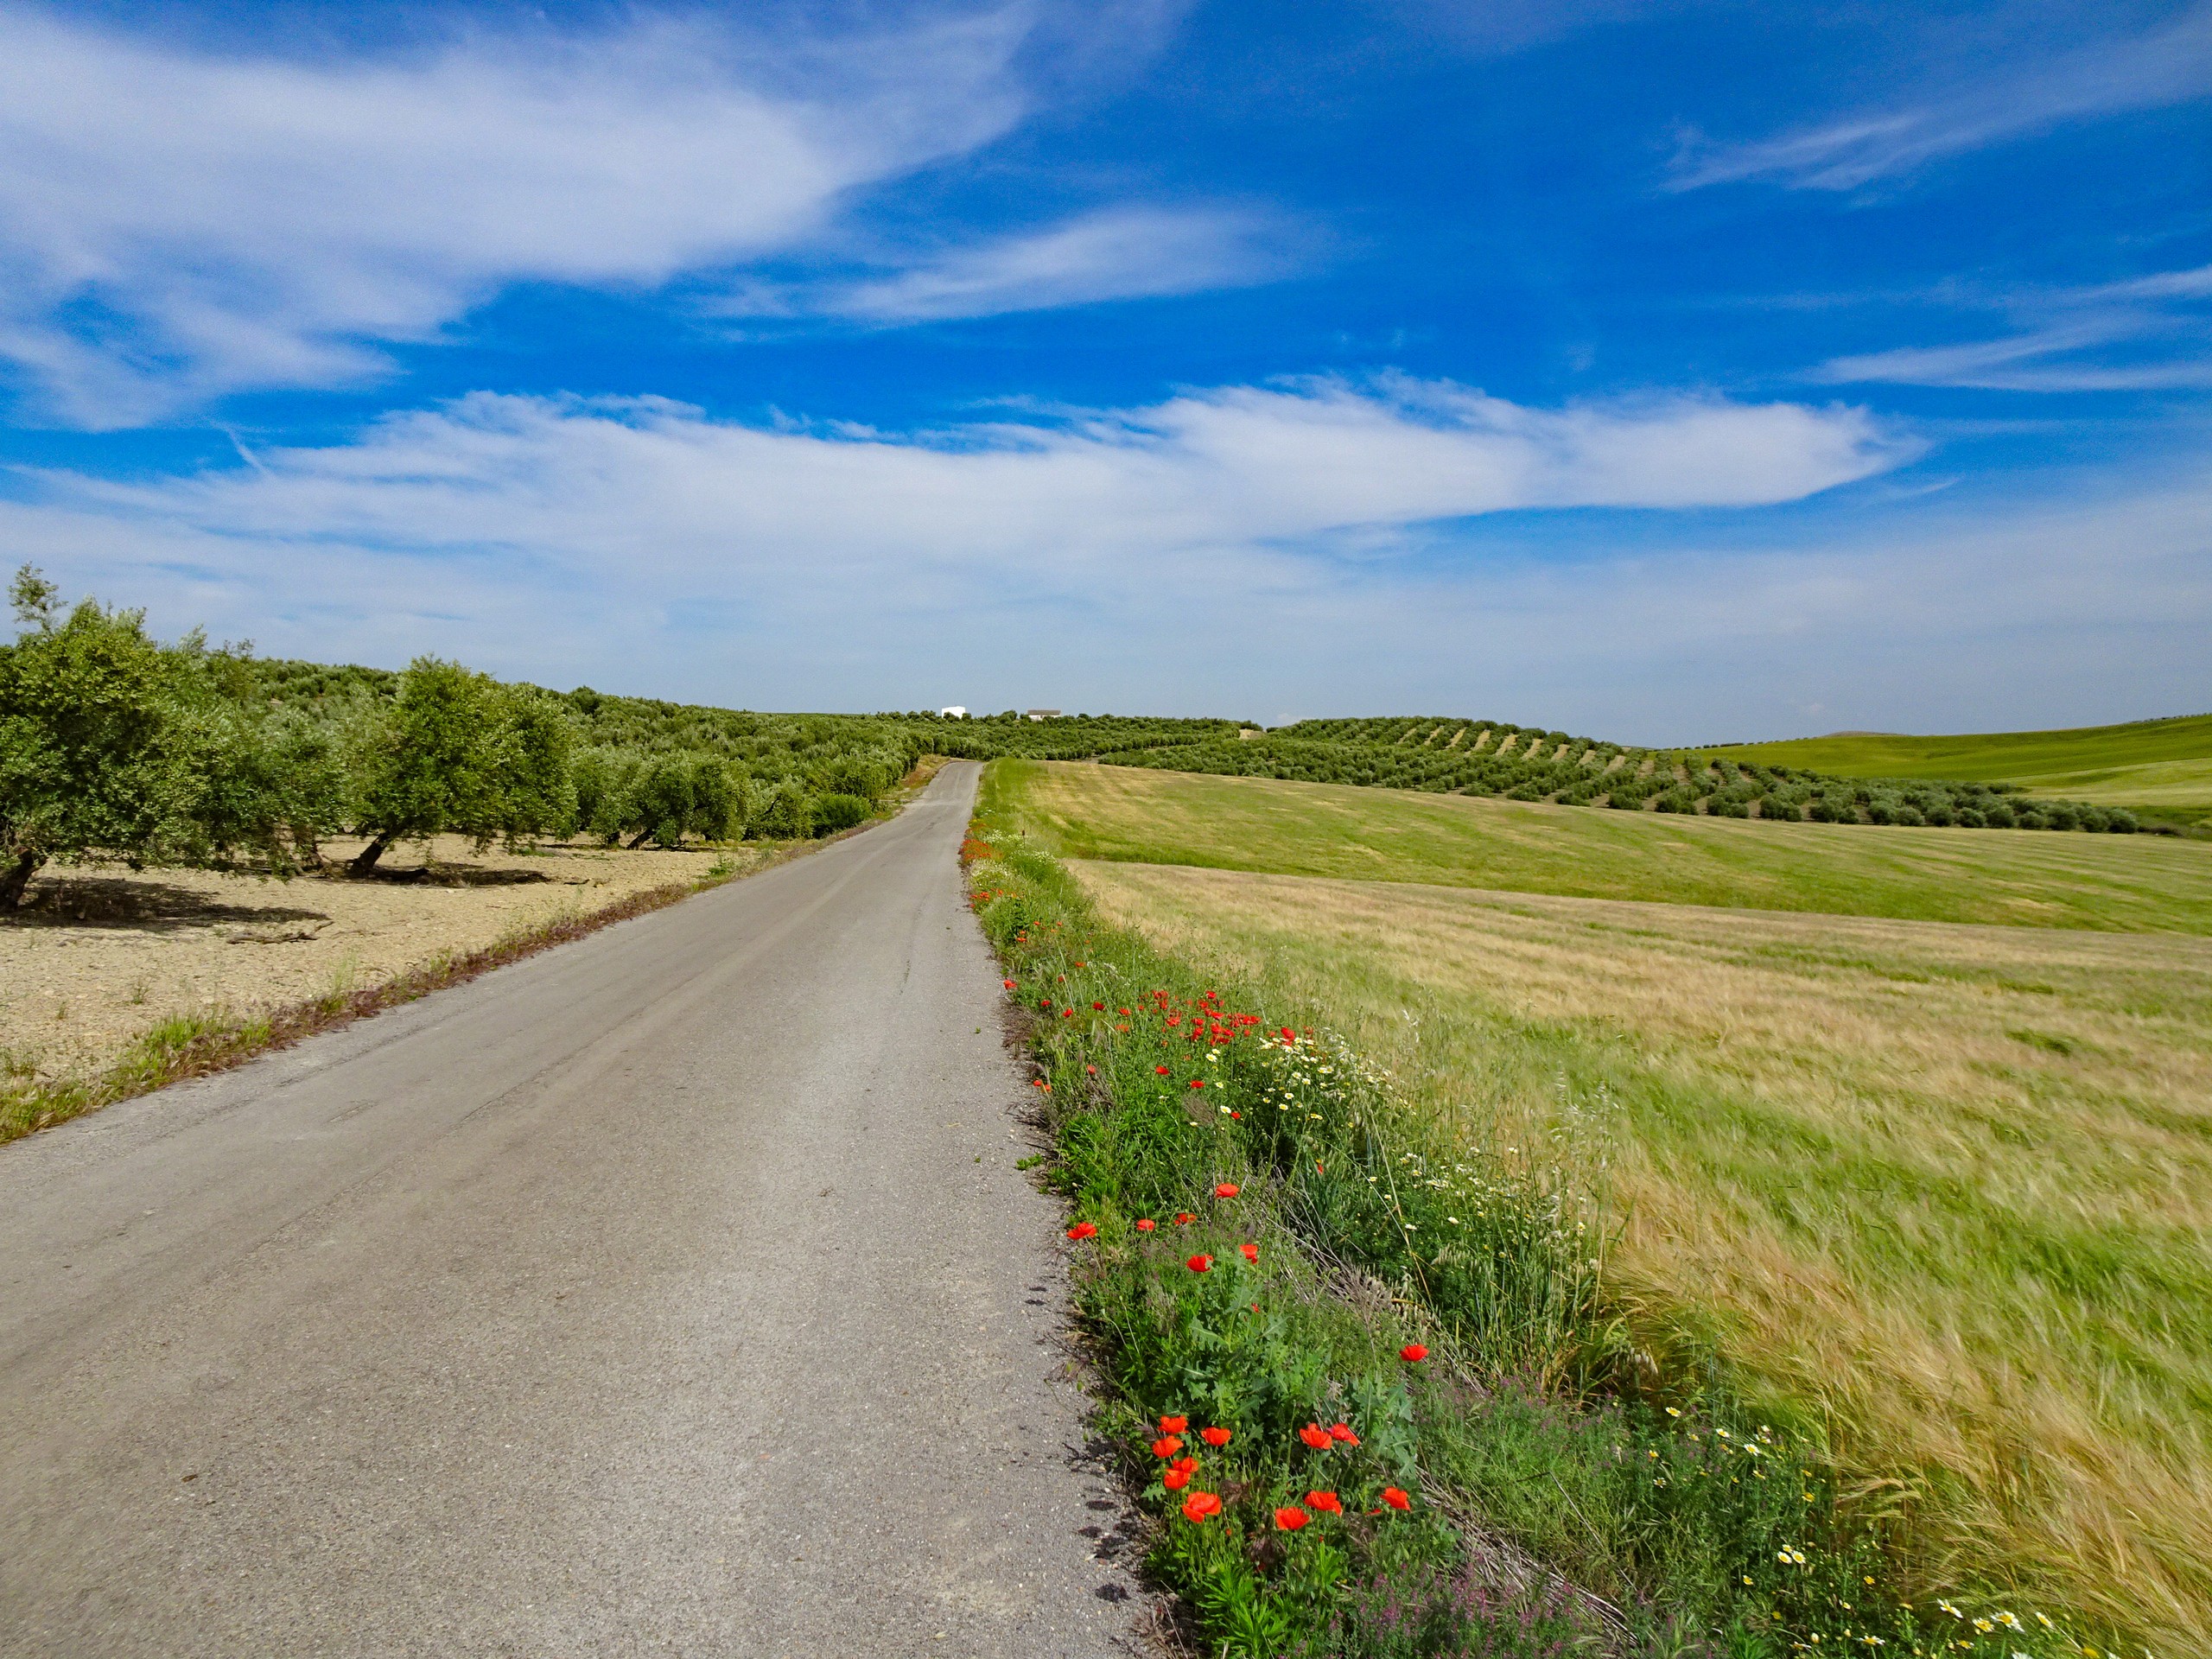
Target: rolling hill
[{"x": 2161, "y": 768}]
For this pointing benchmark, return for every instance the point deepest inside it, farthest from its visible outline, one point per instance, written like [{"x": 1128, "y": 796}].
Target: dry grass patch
[{"x": 1944, "y": 1191}]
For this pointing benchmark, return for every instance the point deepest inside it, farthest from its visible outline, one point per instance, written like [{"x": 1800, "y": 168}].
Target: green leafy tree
[
  {"x": 783, "y": 813},
  {"x": 270, "y": 783},
  {"x": 662, "y": 802},
  {"x": 457, "y": 752},
  {"x": 98, "y": 758},
  {"x": 602, "y": 776},
  {"x": 718, "y": 798}
]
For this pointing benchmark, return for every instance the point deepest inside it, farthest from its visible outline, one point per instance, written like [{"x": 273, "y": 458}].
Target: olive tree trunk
[
  {"x": 365, "y": 859},
  {"x": 16, "y": 877}
]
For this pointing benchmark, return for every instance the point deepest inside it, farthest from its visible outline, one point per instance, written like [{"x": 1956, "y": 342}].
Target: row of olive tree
[{"x": 115, "y": 746}]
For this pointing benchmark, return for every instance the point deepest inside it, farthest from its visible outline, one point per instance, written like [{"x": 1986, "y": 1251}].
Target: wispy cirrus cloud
[
  {"x": 1129, "y": 251},
  {"x": 175, "y": 225},
  {"x": 2164, "y": 66},
  {"x": 2144, "y": 333}
]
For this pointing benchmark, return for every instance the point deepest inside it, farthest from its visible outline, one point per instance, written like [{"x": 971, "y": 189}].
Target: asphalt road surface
[{"x": 670, "y": 1292}]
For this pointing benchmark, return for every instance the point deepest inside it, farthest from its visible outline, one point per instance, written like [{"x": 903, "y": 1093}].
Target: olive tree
[
  {"x": 97, "y": 756},
  {"x": 457, "y": 752}
]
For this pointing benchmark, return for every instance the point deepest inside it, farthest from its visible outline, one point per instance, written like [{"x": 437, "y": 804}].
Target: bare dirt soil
[{"x": 100, "y": 955}]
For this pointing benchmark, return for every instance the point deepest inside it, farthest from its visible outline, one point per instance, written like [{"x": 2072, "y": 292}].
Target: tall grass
[
  {"x": 1938, "y": 1195},
  {"x": 1558, "y": 1491}
]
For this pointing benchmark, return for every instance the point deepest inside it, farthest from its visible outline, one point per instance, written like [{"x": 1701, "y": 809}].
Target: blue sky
[{"x": 1670, "y": 371}]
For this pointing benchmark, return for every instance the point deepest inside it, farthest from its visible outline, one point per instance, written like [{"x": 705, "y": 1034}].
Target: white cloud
[
  {"x": 2172, "y": 65},
  {"x": 175, "y": 225},
  {"x": 642, "y": 544},
  {"x": 2138, "y": 334},
  {"x": 1238, "y": 465},
  {"x": 1125, "y": 252},
  {"x": 1243, "y": 552}
]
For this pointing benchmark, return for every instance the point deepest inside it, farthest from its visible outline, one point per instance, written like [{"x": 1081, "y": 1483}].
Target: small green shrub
[{"x": 835, "y": 812}]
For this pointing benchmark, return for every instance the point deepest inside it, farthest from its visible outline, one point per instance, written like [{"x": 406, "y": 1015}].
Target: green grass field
[
  {"x": 1940, "y": 1188},
  {"x": 2161, "y": 767},
  {"x": 2127, "y": 883}
]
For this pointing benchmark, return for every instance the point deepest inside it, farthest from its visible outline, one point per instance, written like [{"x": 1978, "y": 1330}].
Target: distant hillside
[
  {"x": 796, "y": 759},
  {"x": 1484, "y": 757},
  {"x": 2162, "y": 768}
]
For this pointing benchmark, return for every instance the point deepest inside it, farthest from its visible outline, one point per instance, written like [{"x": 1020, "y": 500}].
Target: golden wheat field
[{"x": 1943, "y": 1190}]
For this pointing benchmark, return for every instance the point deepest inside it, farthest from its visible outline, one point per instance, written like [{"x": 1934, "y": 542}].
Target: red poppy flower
[
  {"x": 1092, "y": 1069},
  {"x": 1084, "y": 1230},
  {"x": 1173, "y": 1425},
  {"x": 1187, "y": 1464},
  {"x": 1166, "y": 1445},
  {"x": 1009, "y": 984},
  {"x": 1316, "y": 1436},
  {"x": 1175, "y": 1018},
  {"x": 1290, "y": 1517},
  {"x": 1078, "y": 964},
  {"x": 1067, "y": 1014},
  {"x": 1200, "y": 1505},
  {"x": 1396, "y": 1499},
  {"x": 1343, "y": 1432},
  {"x": 1225, "y": 1190},
  {"x": 1162, "y": 1069},
  {"x": 1286, "y": 1036},
  {"x": 1215, "y": 1437},
  {"x": 1327, "y": 1502},
  {"x": 1197, "y": 1083},
  {"x": 1175, "y": 1479},
  {"x": 1318, "y": 1168},
  {"x": 1147, "y": 1224},
  {"x": 1124, "y": 1012},
  {"x": 1413, "y": 1353},
  {"x": 1250, "y": 1252},
  {"x": 1098, "y": 1008},
  {"x": 1183, "y": 1218},
  {"x": 1200, "y": 1264}
]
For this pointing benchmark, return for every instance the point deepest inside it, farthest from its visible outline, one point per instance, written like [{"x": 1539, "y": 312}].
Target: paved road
[{"x": 670, "y": 1292}]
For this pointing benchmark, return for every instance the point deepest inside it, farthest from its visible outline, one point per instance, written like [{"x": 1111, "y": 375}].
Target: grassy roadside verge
[{"x": 1429, "y": 1436}]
